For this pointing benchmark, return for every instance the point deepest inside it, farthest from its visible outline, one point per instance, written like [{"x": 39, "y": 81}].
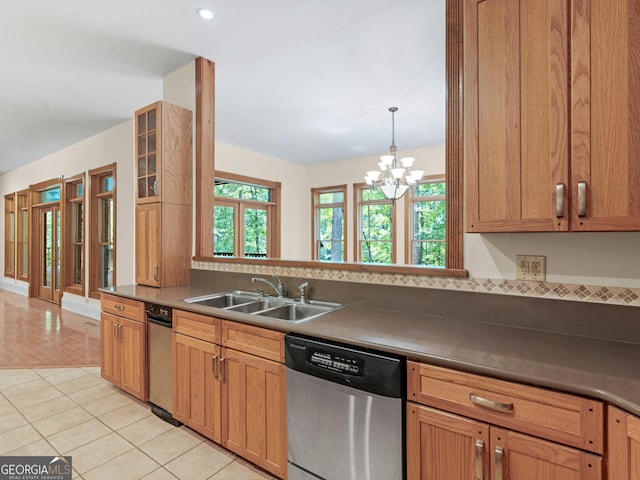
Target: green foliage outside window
[
  {"x": 241, "y": 190},
  {"x": 377, "y": 232},
  {"x": 255, "y": 221},
  {"x": 331, "y": 227},
  {"x": 428, "y": 245},
  {"x": 255, "y": 232},
  {"x": 223, "y": 230}
]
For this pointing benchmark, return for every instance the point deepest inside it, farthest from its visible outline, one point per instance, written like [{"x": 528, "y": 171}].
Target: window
[
  {"x": 329, "y": 228},
  {"x": 245, "y": 214},
  {"x": 22, "y": 235},
  {"x": 102, "y": 264},
  {"x": 426, "y": 223},
  {"x": 375, "y": 225},
  {"x": 74, "y": 235},
  {"x": 9, "y": 235}
]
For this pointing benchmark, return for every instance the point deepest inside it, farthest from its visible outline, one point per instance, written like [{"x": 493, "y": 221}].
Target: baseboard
[
  {"x": 81, "y": 305},
  {"x": 15, "y": 286}
]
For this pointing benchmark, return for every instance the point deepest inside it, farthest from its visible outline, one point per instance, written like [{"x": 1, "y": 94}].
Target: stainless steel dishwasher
[
  {"x": 345, "y": 410},
  {"x": 159, "y": 323}
]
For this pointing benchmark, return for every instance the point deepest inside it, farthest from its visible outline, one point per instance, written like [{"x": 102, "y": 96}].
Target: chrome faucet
[
  {"x": 279, "y": 289},
  {"x": 301, "y": 289}
]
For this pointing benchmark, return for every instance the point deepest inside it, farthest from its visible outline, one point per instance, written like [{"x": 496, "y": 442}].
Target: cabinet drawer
[
  {"x": 198, "y": 326},
  {"x": 123, "y": 307},
  {"x": 564, "y": 418},
  {"x": 255, "y": 340}
]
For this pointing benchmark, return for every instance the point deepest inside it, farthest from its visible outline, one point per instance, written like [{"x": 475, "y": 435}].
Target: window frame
[
  {"x": 10, "y": 264},
  {"x": 240, "y": 205},
  {"x": 358, "y": 188},
  {"x": 72, "y": 202},
  {"x": 23, "y": 235},
  {"x": 97, "y": 197},
  {"x": 316, "y": 206},
  {"x": 411, "y": 200}
]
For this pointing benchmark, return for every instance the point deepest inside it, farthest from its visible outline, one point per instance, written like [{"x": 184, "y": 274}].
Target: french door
[{"x": 47, "y": 239}]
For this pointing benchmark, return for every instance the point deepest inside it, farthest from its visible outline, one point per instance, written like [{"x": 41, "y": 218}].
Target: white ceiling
[{"x": 304, "y": 80}]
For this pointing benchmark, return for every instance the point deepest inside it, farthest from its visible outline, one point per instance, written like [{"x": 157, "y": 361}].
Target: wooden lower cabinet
[
  {"x": 624, "y": 445},
  {"x": 444, "y": 446},
  {"x": 233, "y": 396},
  {"x": 254, "y": 422},
  {"x": 196, "y": 392},
  {"x": 123, "y": 354}
]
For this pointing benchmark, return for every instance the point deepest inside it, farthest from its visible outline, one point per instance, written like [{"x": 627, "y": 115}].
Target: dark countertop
[{"x": 598, "y": 368}]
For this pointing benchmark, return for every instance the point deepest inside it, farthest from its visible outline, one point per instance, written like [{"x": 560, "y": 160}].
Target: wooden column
[{"x": 205, "y": 139}]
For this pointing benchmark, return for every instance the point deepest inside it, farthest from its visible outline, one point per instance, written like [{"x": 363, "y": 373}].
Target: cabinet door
[
  {"x": 133, "y": 358},
  {"x": 196, "y": 385},
  {"x": 254, "y": 422},
  {"x": 109, "y": 351},
  {"x": 517, "y": 456},
  {"x": 605, "y": 99},
  {"x": 442, "y": 446},
  {"x": 148, "y": 128},
  {"x": 624, "y": 445},
  {"x": 516, "y": 115},
  {"x": 148, "y": 244}
]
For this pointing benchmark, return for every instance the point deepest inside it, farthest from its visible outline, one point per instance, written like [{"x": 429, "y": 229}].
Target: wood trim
[
  {"x": 346, "y": 266},
  {"x": 357, "y": 189},
  {"x": 454, "y": 135},
  {"x": 205, "y": 162},
  {"x": 23, "y": 226},
  {"x": 234, "y": 177},
  {"x": 315, "y": 193},
  {"x": 93, "y": 227},
  {"x": 67, "y": 237}
]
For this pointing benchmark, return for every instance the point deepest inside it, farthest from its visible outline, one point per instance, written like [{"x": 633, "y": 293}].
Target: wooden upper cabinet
[
  {"x": 516, "y": 114},
  {"x": 552, "y": 111},
  {"x": 164, "y": 153},
  {"x": 605, "y": 99}
]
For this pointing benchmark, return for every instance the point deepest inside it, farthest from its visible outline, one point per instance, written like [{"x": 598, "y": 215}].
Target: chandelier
[{"x": 394, "y": 177}]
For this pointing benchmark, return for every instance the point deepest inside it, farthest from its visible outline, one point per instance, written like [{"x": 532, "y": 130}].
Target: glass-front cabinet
[
  {"x": 147, "y": 152},
  {"x": 163, "y": 154}
]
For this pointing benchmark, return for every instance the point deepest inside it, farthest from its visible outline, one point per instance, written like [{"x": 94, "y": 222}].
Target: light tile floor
[{"x": 108, "y": 433}]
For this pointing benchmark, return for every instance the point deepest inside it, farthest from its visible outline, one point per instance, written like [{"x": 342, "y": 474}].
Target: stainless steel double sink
[{"x": 272, "y": 307}]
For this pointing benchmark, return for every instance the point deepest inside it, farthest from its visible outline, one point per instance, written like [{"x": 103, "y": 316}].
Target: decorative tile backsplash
[{"x": 562, "y": 291}]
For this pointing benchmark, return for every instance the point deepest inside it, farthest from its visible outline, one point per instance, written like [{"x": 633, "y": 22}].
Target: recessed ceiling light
[{"x": 205, "y": 13}]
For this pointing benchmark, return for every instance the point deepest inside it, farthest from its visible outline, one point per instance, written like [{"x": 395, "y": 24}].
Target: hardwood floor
[{"x": 35, "y": 333}]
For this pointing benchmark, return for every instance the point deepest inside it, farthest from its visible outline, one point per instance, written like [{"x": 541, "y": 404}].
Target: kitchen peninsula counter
[{"x": 571, "y": 361}]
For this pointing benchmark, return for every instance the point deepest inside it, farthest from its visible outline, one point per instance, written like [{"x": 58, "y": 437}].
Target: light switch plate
[{"x": 531, "y": 267}]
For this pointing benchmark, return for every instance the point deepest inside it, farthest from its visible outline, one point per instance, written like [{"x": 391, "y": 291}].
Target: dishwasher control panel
[
  {"x": 356, "y": 367},
  {"x": 335, "y": 363}
]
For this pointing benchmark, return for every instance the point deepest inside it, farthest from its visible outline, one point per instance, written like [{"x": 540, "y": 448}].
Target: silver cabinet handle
[
  {"x": 560, "y": 200},
  {"x": 156, "y": 184},
  {"x": 214, "y": 361},
  {"x": 479, "y": 449},
  {"x": 155, "y": 273},
  {"x": 582, "y": 199},
  {"x": 499, "y": 455},
  {"x": 223, "y": 362},
  {"x": 115, "y": 331},
  {"x": 492, "y": 404}
]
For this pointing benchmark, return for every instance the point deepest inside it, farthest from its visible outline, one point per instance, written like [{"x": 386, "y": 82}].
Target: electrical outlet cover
[{"x": 531, "y": 267}]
